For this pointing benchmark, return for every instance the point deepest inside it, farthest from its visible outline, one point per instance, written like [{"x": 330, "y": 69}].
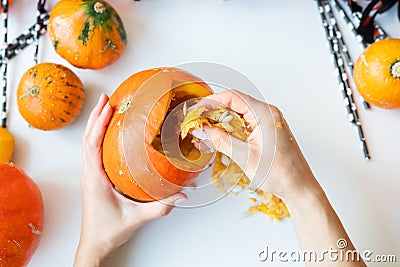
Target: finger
[
  {"x": 95, "y": 113},
  {"x": 157, "y": 209},
  {"x": 235, "y": 100},
  {"x": 220, "y": 140},
  {"x": 96, "y": 134}
]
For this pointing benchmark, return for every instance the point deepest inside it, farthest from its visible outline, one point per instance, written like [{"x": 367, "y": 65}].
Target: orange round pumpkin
[
  {"x": 133, "y": 157},
  {"x": 21, "y": 216},
  {"x": 50, "y": 96},
  {"x": 377, "y": 73},
  {"x": 89, "y": 34}
]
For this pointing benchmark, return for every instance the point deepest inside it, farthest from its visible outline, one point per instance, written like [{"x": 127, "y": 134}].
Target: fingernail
[
  {"x": 200, "y": 134},
  {"x": 101, "y": 97},
  {"x": 206, "y": 147}
]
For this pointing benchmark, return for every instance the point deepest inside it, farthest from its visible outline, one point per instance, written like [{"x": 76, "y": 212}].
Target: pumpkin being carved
[
  {"x": 50, "y": 96},
  {"x": 89, "y": 34},
  {"x": 133, "y": 156},
  {"x": 21, "y": 216}
]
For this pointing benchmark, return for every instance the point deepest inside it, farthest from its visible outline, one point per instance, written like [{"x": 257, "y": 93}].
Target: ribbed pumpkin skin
[
  {"x": 85, "y": 37},
  {"x": 59, "y": 100},
  {"x": 114, "y": 159},
  {"x": 21, "y": 216}
]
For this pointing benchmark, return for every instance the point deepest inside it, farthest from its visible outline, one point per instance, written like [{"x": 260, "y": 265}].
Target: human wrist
[
  {"x": 305, "y": 200},
  {"x": 88, "y": 255}
]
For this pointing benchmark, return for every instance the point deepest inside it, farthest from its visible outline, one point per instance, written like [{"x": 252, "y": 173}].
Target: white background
[{"x": 280, "y": 46}]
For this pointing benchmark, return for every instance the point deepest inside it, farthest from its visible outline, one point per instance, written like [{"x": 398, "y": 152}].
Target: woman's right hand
[{"x": 284, "y": 172}]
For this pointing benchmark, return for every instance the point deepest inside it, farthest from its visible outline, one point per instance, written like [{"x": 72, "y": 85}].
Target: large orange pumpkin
[
  {"x": 377, "y": 73},
  {"x": 133, "y": 157},
  {"x": 87, "y": 33},
  {"x": 21, "y": 216},
  {"x": 50, "y": 96}
]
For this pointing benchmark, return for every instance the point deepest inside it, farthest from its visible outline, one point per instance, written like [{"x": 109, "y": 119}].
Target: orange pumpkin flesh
[
  {"x": 132, "y": 155},
  {"x": 377, "y": 74},
  {"x": 21, "y": 216},
  {"x": 50, "y": 96}
]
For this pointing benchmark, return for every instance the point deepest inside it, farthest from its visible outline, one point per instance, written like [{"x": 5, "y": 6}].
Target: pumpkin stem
[
  {"x": 34, "y": 91},
  {"x": 99, "y": 7},
  {"x": 395, "y": 69}
]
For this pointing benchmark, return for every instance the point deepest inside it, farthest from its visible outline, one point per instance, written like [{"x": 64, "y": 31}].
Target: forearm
[{"x": 319, "y": 230}]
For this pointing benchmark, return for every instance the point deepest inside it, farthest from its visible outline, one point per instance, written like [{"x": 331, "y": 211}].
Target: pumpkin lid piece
[{"x": 87, "y": 33}]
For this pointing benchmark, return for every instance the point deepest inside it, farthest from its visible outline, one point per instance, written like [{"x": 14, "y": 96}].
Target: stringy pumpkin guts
[{"x": 228, "y": 174}]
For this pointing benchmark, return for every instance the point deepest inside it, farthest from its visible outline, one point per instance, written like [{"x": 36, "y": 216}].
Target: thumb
[{"x": 161, "y": 208}]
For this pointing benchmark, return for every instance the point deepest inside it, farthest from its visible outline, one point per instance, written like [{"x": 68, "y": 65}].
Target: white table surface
[{"x": 280, "y": 46}]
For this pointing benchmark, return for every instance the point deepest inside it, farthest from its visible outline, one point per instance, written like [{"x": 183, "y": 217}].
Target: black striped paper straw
[
  {"x": 4, "y": 5},
  {"x": 40, "y": 10},
  {"x": 357, "y": 36},
  {"x": 352, "y": 26},
  {"x": 342, "y": 77},
  {"x": 26, "y": 38},
  {"x": 357, "y": 18},
  {"x": 336, "y": 35}
]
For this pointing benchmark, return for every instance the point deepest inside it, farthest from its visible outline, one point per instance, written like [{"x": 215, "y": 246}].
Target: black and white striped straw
[
  {"x": 4, "y": 59},
  {"x": 357, "y": 36},
  {"x": 26, "y": 38},
  {"x": 341, "y": 75},
  {"x": 350, "y": 23},
  {"x": 357, "y": 18},
  {"x": 40, "y": 10},
  {"x": 334, "y": 31}
]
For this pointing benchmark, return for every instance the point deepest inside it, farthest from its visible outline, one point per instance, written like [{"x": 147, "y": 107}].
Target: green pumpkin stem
[
  {"x": 99, "y": 7},
  {"x": 395, "y": 69},
  {"x": 34, "y": 91}
]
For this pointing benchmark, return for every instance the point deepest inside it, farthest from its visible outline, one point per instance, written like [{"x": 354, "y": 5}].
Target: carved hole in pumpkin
[{"x": 181, "y": 93}]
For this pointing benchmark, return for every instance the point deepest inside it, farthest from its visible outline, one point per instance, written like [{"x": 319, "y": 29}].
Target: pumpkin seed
[
  {"x": 184, "y": 109},
  {"x": 227, "y": 119},
  {"x": 223, "y": 116}
]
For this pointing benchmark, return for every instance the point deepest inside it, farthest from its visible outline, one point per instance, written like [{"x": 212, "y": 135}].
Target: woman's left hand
[{"x": 108, "y": 218}]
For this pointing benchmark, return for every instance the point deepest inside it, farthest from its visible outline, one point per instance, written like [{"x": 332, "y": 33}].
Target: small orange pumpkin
[
  {"x": 50, "y": 96},
  {"x": 21, "y": 216},
  {"x": 132, "y": 155},
  {"x": 89, "y": 34},
  {"x": 377, "y": 73}
]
